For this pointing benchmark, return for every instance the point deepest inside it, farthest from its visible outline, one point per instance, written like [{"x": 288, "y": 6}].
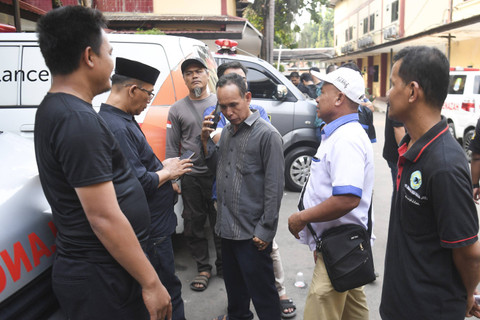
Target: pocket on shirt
[
  {"x": 249, "y": 165},
  {"x": 416, "y": 214}
]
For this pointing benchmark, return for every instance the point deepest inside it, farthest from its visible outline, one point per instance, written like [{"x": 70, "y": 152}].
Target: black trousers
[
  {"x": 96, "y": 290},
  {"x": 198, "y": 207},
  {"x": 248, "y": 275},
  {"x": 160, "y": 253}
]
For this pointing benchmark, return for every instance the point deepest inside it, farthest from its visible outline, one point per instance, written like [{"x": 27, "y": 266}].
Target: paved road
[{"x": 296, "y": 257}]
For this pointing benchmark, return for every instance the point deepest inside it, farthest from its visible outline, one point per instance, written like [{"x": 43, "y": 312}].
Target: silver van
[{"x": 289, "y": 111}]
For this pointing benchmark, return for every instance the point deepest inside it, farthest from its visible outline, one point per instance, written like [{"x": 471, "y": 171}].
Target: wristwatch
[{"x": 476, "y": 185}]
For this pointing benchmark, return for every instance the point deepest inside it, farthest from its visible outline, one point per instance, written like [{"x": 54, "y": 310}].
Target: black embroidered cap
[{"x": 136, "y": 70}]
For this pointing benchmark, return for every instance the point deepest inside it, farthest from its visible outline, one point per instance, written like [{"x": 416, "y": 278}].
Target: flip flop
[
  {"x": 287, "y": 304},
  {"x": 200, "y": 279}
]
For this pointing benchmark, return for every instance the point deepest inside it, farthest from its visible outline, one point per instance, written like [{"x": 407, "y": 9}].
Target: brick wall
[
  {"x": 47, "y": 4},
  {"x": 124, "y": 5},
  {"x": 102, "y": 5}
]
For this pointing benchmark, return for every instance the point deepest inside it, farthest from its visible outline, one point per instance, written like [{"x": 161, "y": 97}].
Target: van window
[
  {"x": 476, "y": 85},
  {"x": 260, "y": 85},
  {"x": 457, "y": 84}
]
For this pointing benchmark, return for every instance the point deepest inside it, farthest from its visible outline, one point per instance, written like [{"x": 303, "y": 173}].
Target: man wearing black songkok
[{"x": 132, "y": 90}]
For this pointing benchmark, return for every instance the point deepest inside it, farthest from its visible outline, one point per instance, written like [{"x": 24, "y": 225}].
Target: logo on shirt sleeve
[
  {"x": 169, "y": 124},
  {"x": 416, "y": 180}
]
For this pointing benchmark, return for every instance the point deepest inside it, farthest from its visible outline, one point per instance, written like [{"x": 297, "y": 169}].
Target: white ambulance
[
  {"x": 462, "y": 105},
  {"x": 27, "y": 233}
]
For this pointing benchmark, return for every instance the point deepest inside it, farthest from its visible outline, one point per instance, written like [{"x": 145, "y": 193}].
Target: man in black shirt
[
  {"x": 394, "y": 132},
  {"x": 132, "y": 90},
  {"x": 295, "y": 78},
  {"x": 98, "y": 205},
  {"x": 307, "y": 86},
  {"x": 432, "y": 260},
  {"x": 474, "y": 146}
]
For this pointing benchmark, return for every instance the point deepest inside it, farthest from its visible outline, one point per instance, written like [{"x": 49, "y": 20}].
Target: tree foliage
[
  {"x": 318, "y": 35},
  {"x": 285, "y": 12},
  {"x": 149, "y": 31}
]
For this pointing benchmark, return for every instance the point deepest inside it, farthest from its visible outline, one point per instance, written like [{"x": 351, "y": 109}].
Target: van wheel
[
  {"x": 467, "y": 138},
  {"x": 451, "y": 129},
  {"x": 297, "y": 167}
]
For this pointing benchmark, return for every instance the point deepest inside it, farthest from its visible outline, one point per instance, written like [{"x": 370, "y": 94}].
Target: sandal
[
  {"x": 201, "y": 280},
  {"x": 286, "y": 304}
]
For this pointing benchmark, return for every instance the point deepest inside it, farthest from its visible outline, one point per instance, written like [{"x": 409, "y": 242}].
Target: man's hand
[
  {"x": 260, "y": 244},
  {"x": 206, "y": 129},
  {"x": 176, "y": 188},
  {"x": 467, "y": 262},
  {"x": 177, "y": 167},
  {"x": 369, "y": 105},
  {"x": 474, "y": 309},
  {"x": 476, "y": 194},
  {"x": 158, "y": 302},
  {"x": 295, "y": 224}
]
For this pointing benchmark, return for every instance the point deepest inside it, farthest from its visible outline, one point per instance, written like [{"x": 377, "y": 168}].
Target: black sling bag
[{"x": 346, "y": 252}]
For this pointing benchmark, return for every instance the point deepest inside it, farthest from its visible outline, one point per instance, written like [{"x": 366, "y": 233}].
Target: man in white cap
[{"x": 338, "y": 192}]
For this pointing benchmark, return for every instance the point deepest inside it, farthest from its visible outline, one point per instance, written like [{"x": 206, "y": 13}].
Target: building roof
[
  {"x": 148, "y": 17},
  {"x": 304, "y": 54},
  {"x": 27, "y": 11},
  {"x": 202, "y": 35}
]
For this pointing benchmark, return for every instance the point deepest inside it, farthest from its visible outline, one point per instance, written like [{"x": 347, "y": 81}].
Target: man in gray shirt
[
  {"x": 184, "y": 125},
  {"x": 249, "y": 167}
]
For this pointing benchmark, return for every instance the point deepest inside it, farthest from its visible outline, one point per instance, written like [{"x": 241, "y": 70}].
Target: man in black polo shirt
[
  {"x": 132, "y": 90},
  {"x": 475, "y": 163},
  {"x": 99, "y": 208},
  {"x": 432, "y": 261},
  {"x": 394, "y": 132}
]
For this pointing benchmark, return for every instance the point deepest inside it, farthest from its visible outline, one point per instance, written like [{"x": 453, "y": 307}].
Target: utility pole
[
  {"x": 271, "y": 27},
  {"x": 267, "y": 48},
  {"x": 16, "y": 16}
]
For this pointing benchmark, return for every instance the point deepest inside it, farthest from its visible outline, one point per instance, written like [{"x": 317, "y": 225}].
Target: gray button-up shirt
[{"x": 250, "y": 178}]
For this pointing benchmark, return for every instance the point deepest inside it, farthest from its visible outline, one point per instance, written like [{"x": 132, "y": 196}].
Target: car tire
[
  {"x": 451, "y": 129},
  {"x": 467, "y": 138},
  {"x": 297, "y": 167}
]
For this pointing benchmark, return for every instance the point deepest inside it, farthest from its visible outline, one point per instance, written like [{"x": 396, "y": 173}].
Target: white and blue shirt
[{"x": 342, "y": 165}]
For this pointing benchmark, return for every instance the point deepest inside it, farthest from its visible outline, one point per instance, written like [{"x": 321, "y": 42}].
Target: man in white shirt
[{"x": 339, "y": 190}]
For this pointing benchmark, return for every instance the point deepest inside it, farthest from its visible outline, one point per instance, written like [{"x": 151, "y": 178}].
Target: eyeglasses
[{"x": 149, "y": 92}]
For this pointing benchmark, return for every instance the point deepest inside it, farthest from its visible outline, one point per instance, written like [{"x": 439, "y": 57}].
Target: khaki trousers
[
  {"x": 324, "y": 303},
  {"x": 278, "y": 269}
]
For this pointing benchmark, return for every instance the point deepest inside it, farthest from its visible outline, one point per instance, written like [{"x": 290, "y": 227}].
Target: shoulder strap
[
  {"x": 194, "y": 111},
  {"x": 369, "y": 223}
]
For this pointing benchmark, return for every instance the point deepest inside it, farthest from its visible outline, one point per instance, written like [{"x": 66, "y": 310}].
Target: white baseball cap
[{"x": 348, "y": 81}]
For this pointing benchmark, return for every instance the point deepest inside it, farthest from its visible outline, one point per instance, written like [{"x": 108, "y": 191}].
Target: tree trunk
[
  {"x": 17, "y": 16},
  {"x": 269, "y": 31}
]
